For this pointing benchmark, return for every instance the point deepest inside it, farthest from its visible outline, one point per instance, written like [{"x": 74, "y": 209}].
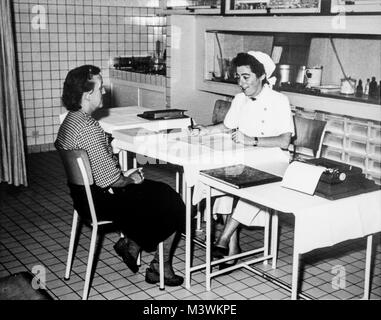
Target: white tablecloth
[{"x": 335, "y": 221}]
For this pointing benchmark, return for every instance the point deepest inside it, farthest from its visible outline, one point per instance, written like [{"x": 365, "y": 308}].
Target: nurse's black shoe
[
  {"x": 127, "y": 250},
  {"x": 230, "y": 263}
]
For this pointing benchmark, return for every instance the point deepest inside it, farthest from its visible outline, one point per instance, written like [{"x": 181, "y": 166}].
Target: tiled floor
[{"x": 35, "y": 227}]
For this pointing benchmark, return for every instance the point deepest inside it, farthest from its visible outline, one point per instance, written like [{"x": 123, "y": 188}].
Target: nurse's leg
[
  {"x": 225, "y": 238},
  {"x": 233, "y": 243}
]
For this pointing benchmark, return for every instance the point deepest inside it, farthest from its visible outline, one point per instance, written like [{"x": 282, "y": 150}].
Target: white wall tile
[{"x": 78, "y": 32}]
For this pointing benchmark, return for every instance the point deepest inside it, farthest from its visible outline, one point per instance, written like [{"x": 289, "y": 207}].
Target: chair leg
[
  {"x": 71, "y": 245},
  {"x": 161, "y": 265},
  {"x": 93, "y": 242},
  {"x": 139, "y": 259}
]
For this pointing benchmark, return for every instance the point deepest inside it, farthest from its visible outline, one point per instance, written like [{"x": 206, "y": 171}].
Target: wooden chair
[
  {"x": 78, "y": 171},
  {"x": 308, "y": 135},
  {"x": 221, "y": 108}
]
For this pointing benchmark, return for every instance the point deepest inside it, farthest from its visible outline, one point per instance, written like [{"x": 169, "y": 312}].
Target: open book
[{"x": 240, "y": 176}]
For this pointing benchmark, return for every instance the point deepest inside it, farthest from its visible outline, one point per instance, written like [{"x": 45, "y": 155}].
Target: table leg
[
  {"x": 177, "y": 182},
  {"x": 184, "y": 187},
  {"x": 295, "y": 275},
  {"x": 266, "y": 237},
  {"x": 123, "y": 162},
  {"x": 274, "y": 237},
  {"x": 135, "y": 162},
  {"x": 188, "y": 237},
  {"x": 208, "y": 259},
  {"x": 368, "y": 262}
]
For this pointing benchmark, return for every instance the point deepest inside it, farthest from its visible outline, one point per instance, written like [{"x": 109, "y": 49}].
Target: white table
[
  {"x": 111, "y": 119},
  {"x": 215, "y": 152},
  {"x": 318, "y": 222}
]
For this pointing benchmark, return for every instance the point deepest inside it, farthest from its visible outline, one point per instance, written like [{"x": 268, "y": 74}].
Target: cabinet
[
  {"x": 351, "y": 140},
  {"x": 137, "y": 89}
]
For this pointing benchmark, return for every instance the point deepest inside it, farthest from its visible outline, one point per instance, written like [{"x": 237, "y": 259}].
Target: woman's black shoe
[
  {"x": 153, "y": 277},
  {"x": 121, "y": 248},
  {"x": 219, "y": 252}
]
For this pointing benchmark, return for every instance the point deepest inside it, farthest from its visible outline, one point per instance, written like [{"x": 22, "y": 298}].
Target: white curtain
[{"x": 12, "y": 153}]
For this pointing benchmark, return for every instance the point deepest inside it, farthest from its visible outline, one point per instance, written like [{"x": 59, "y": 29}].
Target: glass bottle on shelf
[
  {"x": 373, "y": 88},
  {"x": 359, "y": 89},
  {"x": 366, "y": 87}
]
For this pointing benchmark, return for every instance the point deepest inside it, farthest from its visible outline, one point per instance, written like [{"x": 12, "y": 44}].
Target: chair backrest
[
  {"x": 221, "y": 108},
  {"x": 72, "y": 166},
  {"x": 308, "y": 134},
  {"x": 78, "y": 172}
]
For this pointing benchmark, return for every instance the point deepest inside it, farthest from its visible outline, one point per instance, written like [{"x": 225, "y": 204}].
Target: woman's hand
[
  {"x": 137, "y": 176},
  {"x": 198, "y": 130},
  {"x": 239, "y": 137}
]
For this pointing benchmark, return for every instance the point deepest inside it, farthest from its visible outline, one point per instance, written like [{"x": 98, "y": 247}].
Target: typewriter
[{"x": 341, "y": 180}]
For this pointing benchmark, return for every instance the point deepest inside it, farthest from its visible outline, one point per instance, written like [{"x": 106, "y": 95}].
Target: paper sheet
[{"x": 302, "y": 177}]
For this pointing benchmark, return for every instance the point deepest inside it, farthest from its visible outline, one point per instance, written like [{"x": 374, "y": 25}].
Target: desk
[
  {"x": 318, "y": 222},
  {"x": 111, "y": 119},
  {"x": 194, "y": 155}
]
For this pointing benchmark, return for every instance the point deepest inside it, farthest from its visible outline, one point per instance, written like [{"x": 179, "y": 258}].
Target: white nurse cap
[{"x": 267, "y": 62}]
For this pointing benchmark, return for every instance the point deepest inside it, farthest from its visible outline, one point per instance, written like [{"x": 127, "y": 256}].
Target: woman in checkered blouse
[{"x": 146, "y": 211}]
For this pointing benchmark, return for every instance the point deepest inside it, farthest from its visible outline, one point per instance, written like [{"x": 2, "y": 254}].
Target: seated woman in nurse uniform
[{"x": 262, "y": 117}]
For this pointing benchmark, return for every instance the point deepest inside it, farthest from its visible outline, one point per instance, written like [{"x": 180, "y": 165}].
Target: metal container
[
  {"x": 348, "y": 86},
  {"x": 313, "y": 75},
  {"x": 284, "y": 70},
  {"x": 301, "y": 75}
]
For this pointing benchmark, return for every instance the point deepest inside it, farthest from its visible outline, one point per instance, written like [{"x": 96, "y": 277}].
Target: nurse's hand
[{"x": 239, "y": 137}]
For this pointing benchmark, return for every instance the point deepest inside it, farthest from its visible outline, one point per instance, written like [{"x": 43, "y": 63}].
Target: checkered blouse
[{"x": 81, "y": 131}]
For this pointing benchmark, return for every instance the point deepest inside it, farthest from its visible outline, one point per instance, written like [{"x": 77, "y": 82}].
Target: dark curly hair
[
  {"x": 76, "y": 83},
  {"x": 245, "y": 59}
]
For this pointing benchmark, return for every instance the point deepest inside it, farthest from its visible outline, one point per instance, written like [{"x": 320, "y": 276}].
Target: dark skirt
[{"x": 147, "y": 213}]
